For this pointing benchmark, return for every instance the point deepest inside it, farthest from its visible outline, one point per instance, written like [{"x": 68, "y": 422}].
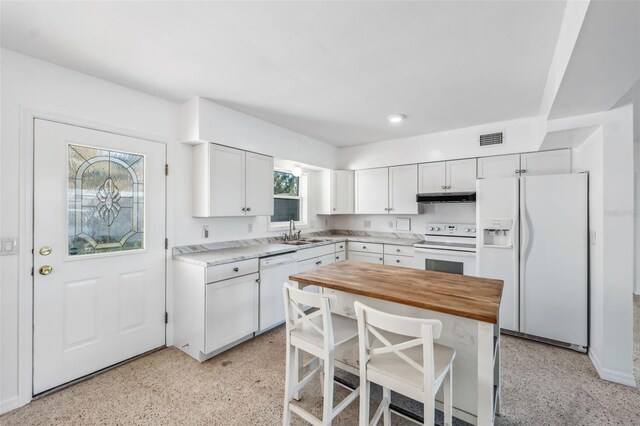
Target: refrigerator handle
[
  {"x": 524, "y": 244},
  {"x": 515, "y": 243}
]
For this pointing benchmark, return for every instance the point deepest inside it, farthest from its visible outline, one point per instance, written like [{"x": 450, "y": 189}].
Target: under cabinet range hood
[{"x": 446, "y": 197}]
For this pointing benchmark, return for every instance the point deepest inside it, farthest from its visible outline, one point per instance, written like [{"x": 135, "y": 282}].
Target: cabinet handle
[
  {"x": 517, "y": 172},
  {"x": 523, "y": 171},
  {"x": 244, "y": 209},
  {"x": 319, "y": 262},
  {"x": 248, "y": 209},
  {"x": 444, "y": 187},
  {"x": 390, "y": 208},
  {"x": 397, "y": 250},
  {"x": 334, "y": 209},
  {"x": 397, "y": 260},
  {"x": 258, "y": 280},
  {"x": 364, "y": 247},
  {"x": 236, "y": 269}
]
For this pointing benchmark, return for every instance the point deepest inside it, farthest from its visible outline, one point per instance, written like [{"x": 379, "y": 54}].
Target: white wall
[
  {"x": 520, "y": 136},
  {"x": 28, "y": 83},
  {"x": 588, "y": 157},
  {"x": 431, "y": 213}
]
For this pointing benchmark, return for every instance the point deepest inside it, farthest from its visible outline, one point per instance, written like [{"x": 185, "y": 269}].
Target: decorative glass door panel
[{"x": 105, "y": 200}]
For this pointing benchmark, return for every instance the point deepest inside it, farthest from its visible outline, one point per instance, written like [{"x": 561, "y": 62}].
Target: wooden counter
[{"x": 459, "y": 295}]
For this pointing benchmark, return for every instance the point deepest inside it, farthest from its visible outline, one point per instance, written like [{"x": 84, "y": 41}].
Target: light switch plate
[
  {"x": 205, "y": 231},
  {"x": 250, "y": 227},
  {"x": 8, "y": 246},
  {"x": 367, "y": 224}
]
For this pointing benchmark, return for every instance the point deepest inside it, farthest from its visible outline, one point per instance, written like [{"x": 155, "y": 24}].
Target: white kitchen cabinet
[
  {"x": 259, "y": 184},
  {"x": 402, "y": 261},
  {"x": 545, "y": 163},
  {"x": 498, "y": 166},
  {"x": 231, "y": 311},
  {"x": 359, "y": 256},
  {"x": 313, "y": 258},
  {"x": 447, "y": 176},
  {"x": 403, "y": 187},
  {"x": 533, "y": 163},
  {"x": 372, "y": 191},
  {"x": 432, "y": 177},
  {"x": 214, "y": 307},
  {"x": 461, "y": 175},
  {"x": 231, "y": 182},
  {"x": 336, "y": 192}
]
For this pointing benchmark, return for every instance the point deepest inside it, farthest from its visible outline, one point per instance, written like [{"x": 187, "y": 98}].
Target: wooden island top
[{"x": 461, "y": 295}]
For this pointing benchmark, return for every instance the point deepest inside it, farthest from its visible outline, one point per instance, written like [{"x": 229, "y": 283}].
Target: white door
[
  {"x": 226, "y": 181},
  {"x": 99, "y": 255},
  {"x": 232, "y": 311},
  {"x": 372, "y": 191},
  {"x": 498, "y": 166},
  {"x": 431, "y": 177},
  {"x": 342, "y": 191},
  {"x": 499, "y": 199},
  {"x": 461, "y": 175},
  {"x": 403, "y": 187},
  {"x": 546, "y": 163},
  {"x": 259, "y": 185},
  {"x": 553, "y": 257}
]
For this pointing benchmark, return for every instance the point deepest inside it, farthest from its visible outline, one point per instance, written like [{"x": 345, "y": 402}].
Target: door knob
[
  {"x": 45, "y": 270},
  {"x": 45, "y": 250}
]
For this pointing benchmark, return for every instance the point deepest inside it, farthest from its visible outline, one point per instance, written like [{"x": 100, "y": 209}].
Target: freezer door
[
  {"x": 497, "y": 199},
  {"x": 553, "y": 258}
]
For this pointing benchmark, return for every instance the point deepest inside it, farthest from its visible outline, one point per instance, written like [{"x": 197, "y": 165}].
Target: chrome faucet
[{"x": 291, "y": 235}]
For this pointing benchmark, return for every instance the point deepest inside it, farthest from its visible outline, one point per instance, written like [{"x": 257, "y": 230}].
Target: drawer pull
[
  {"x": 236, "y": 269},
  {"x": 364, "y": 247},
  {"x": 397, "y": 250},
  {"x": 397, "y": 260}
]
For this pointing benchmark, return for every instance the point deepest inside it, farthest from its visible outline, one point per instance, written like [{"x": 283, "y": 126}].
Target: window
[{"x": 289, "y": 193}]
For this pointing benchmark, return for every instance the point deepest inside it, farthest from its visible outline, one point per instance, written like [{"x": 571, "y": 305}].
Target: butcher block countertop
[{"x": 460, "y": 295}]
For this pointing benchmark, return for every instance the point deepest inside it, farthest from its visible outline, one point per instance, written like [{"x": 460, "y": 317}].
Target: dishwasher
[{"x": 274, "y": 271}]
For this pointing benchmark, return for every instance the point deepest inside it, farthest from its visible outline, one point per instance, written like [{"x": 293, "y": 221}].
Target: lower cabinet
[
  {"x": 231, "y": 311},
  {"x": 403, "y": 261},
  {"x": 366, "y": 257}
]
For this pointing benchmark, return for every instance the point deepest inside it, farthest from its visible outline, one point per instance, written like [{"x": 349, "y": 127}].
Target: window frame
[{"x": 303, "y": 196}]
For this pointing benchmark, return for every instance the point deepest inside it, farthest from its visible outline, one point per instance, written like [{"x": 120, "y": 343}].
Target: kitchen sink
[{"x": 296, "y": 242}]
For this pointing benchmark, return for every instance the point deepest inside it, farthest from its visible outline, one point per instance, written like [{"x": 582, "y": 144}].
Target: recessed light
[
  {"x": 396, "y": 118},
  {"x": 296, "y": 171}
]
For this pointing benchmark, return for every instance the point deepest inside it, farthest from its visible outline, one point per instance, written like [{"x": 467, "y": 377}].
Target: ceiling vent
[{"x": 492, "y": 139}]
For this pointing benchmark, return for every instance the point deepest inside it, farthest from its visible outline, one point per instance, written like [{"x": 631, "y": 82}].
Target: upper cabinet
[
  {"x": 533, "y": 163},
  {"x": 447, "y": 176},
  {"x": 372, "y": 191},
  {"x": 231, "y": 182},
  {"x": 386, "y": 190},
  {"x": 336, "y": 192},
  {"x": 403, "y": 187}
]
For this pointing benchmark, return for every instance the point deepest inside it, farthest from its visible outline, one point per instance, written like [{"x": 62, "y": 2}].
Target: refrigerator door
[
  {"x": 497, "y": 207},
  {"x": 553, "y": 258}
]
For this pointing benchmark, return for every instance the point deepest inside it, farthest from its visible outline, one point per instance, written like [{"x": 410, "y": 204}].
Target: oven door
[{"x": 453, "y": 262}]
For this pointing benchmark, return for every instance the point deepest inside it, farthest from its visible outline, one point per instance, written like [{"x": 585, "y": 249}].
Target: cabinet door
[
  {"x": 431, "y": 177},
  {"x": 372, "y": 191},
  {"x": 498, "y": 166},
  {"x": 546, "y": 163},
  {"x": 226, "y": 181},
  {"x": 403, "y": 187},
  {"x": 259, "y": 185},
  {"x": 461, "y": 175},
  {"x": 342, "y": 192},
  {"x": 231, "y": 311},
  {"x": 366, "y": 257}
]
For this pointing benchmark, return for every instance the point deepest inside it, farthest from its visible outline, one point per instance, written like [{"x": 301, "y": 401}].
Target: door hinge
[
  {"x": 32, "y": 271},
  {"x": 166, "y": 170},
  {"x": 166, "y": 243},
  {"x": 166, "y": 317}
]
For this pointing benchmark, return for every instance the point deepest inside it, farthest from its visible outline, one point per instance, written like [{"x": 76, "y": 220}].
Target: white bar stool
[
  {"x": 321, "y": 334},
  {"x": 398, "y": 354}
]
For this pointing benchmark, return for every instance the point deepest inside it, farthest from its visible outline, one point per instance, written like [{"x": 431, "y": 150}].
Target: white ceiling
[{"x": 329, "y": 70}]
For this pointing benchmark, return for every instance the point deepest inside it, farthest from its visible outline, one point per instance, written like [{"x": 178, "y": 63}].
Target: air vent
[{"x": 492, "y": 139}]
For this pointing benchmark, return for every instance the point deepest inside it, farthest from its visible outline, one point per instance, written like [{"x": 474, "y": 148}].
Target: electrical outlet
[
  {"x": 367, "y": 224},
  {"x": 593, "y": 238},
  {"x": 9, "y": 246},
  {"x": 250, "y": 227},
  {"x": 326, "y": 222},
  {"x": 205, "y": 231}
]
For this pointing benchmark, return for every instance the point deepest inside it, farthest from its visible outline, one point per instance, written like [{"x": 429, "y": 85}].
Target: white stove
[{"x": 448, "y": 247}]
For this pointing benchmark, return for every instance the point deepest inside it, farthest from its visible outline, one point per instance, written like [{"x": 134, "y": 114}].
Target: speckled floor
[{"x": 542, "y": 385}]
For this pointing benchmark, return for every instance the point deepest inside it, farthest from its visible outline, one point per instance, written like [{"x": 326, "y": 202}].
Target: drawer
[
  {"x": 366, "y": 247},
  {"x": 326, "y": 260},
  {"x": 399, "y": 250},
  {"x": 231, "y": 270},
  {"x": 404, "y": 261},
  {"x": 359, "y": 256},
  {"x": 341, "y": 246},
  {"x": 340, "y": 256},
  {"x": 308, "y": 253}
]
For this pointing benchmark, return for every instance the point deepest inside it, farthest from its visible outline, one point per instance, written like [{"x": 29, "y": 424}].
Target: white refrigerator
[{"x": 533, "y": 235}]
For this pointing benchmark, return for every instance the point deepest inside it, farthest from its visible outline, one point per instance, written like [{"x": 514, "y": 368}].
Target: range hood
[{"x": 446, "y": 197}]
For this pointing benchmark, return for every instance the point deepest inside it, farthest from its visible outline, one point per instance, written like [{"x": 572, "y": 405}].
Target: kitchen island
[{"x": 467, "y": 306}]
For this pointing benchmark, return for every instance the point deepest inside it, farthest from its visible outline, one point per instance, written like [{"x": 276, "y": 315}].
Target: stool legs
[
  {"x": 386, "y": 394},
  {"x": 328, "y": 370},
  {"x": 448, "y": 398},
  {"x": 290, "y": 374}
]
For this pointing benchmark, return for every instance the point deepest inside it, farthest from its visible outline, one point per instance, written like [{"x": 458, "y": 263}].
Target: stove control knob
[
  {"x": 467, "y": 230},
  {"x": 473, "y": 230},
  {"x": 437, "y": 228},
  {"x": 431, "y": 228}
]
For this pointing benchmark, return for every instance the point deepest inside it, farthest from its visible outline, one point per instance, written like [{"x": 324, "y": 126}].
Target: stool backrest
[
  {"x": 295, "y": 315},
  {"x": 372, "y": 324}
]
